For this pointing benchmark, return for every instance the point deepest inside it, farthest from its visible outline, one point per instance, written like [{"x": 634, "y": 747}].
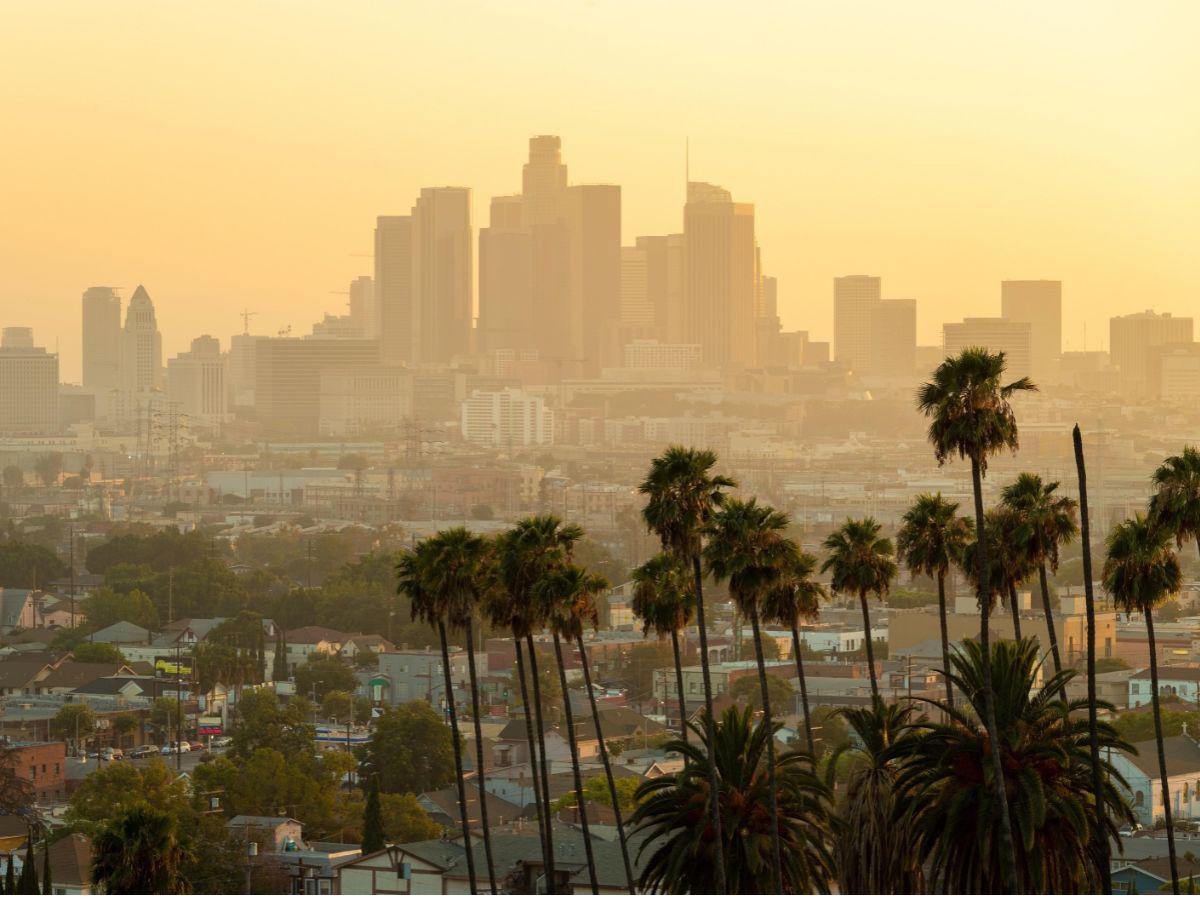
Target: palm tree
[
  {"x": 874, "y": 846},
  {"x": 747, "y": 548},
  {"x": 140, "y": 852},
  {"x": 1141, "y": 571},
  {"x": 673, "y": 817},
  {"x": 459, "y": 571},
  {"x": 662, "y": 599},
  {"x": 861, "y": 564},
  {"x": 796, "y": 595},
  {"x": 557, "y": 593},
  {"x": 682, "y": 494},
  {"x": 1006, "y": 565},
  {"x": 1043, "y": 523},
  {"x": 526, "y": 554},
  {"x": 932, "y": 539},
  {"x": 1175, "y": 504},
  {"x": 1101, "y": 850},
  {"x": 970, "y": 413},
  {"x": 580, "y": 588},
  {"x": 946, "y": 782},
  {"x": 416, "y": 571}
]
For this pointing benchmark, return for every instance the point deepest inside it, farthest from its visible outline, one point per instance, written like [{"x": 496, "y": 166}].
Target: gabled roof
[
  {"x": 20, "y": 670},
  {"x": 445, "y": 803},
  {"x": 12, "y": 603},
  {"x": 313, "y": 634},
  {"x": 72, "y": 674},
  {"x": 261, "y": 821},
  {"x": 1182, "y": 753},
  {"x": 121, "y": 633},
  {"x": 1170, "y": 673},
  {"x": 70, "y": 861},
  {"x": 616, "y": 722},
  {"x": 115, "y": 685}
]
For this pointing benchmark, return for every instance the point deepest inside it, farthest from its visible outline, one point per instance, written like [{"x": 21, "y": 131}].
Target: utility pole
[
  {"x": 178, "y": 706},
  {"x": 71, "y": 588}
]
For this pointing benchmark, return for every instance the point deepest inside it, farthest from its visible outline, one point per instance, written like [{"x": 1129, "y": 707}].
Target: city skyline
[{"x": 949, "y": 175}]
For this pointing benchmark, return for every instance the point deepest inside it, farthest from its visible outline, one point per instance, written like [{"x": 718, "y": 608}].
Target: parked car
[
  {"x": 111, "y": 754},
  {"x": 222, "y": 741},
  {"x": 143, "y": 752}
]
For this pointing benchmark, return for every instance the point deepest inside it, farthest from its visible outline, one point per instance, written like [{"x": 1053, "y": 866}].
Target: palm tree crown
[
  {"x": 796, "y": 595},
  {"x": 1043, "y": 521},
  {"x": 1007, "y": 566},
  {"x": 1175, "y": 503},
  {"x": 747, "y": 547},
  {"x": 1141, "y": 569},
  {"x": 932, "y": 536},
  {"x": 681, "y": 495},
  {"x": 662, "y": 596},
  {"x": 859, "y": 560},
  {"x": 969, "y": 408}
]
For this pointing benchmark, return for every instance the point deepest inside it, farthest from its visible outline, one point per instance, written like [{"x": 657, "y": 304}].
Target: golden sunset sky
[{"x": 233, "y": 155}]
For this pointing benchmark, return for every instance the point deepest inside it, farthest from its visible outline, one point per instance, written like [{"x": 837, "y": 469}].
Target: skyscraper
[
  {"x": 854, "y": 296},
  {"x": 28, "y": 385},
  {"x": 1014, "y": 339},
  {"x": 393, "y": 288},
  {"x": 362, "y": 305},
  {"x": 141, "y": 346},
  {"x": 720, "y": 285},
  {"x": 543, "y": 180},
  {"x": 506, "y": 278},
  {"x": 1040, "y": 304},
  {"x": 196, "y": 381},
  {"x": 593, "y": 218},
  {"x": 893, "y": 337},
  {"x": 101, "y": 338},
  {"x": 442, "y": 273},
  {"x": 1132, "y": 338}
]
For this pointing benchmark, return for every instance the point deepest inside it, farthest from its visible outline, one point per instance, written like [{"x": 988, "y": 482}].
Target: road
[{"x": 80, "y": 770}]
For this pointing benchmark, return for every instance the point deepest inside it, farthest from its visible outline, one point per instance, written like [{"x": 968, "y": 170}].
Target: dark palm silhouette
[
  {"x": 662, "y": 599},
  {"x": 681, "y": 496},
  {"x": 861, "y": 564},
  {"x": 932, "y": 539},
  {"x": 140, "y": 852},
  {"x": 970, "y": 416},
  {"x": 1141, "y": 572}
]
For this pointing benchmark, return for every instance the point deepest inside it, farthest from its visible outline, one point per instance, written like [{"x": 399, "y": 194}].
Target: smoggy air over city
[{"x": 614, "y": 448}]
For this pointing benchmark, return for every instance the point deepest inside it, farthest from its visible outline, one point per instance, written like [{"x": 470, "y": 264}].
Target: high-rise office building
[
  {"x": 721, "y": 275},
  {"x": 997, "y": 335},
  {"x": 593, "y": 217},
  {"x": 637, "y": 313},
  {"x": 362, "y": 305},
  {"x": 443, "y": 275},
  {"x": 506, "y": 278},
  {"x": 893, "y": 337},
  {"x": 854, "y": 297},
  {"x": 243, "y": 353},
  {"x": 141, "y": 346},
  {"x": 1132, "y": 338},
  {"x": 196, "y": 382},
  {"x": 1040, "y": 304},
  {"x": 665, "y": 282},
  {"x": 101, "y": 339},
  {"x": 28, "y": 385},
  {"x": 543, "y": 180},
  {"x": 287, "y": 379},
  {"x": 393, "y": 288}
]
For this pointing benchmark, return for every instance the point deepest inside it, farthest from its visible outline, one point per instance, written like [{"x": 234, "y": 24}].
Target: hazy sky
[{"x": 233, "y": 155}]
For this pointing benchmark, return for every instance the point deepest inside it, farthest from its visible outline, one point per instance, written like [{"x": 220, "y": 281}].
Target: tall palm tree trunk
[
  {"x": 1162, "y": 756},
  {"x": 458, "y": 765},
  {"x": 1008, "y": 855},
  {"x": 1050, "y": 633},
  {"x": 868, "y": 643},
  {"x": 941, "y": 579},
  {"x": 776, "y": 851},
  {"x": 808, "y": 735},
  {"x": 1016, "y": 613},
  {"x": 608, "y": 774},
  {"x": 479, "y": 764},
  {"x": 580, "y": 802},
  {"x": 547, "y": 846},
  {"x": 545, "y": 765},
  {"x": 1100, "y": 847},
  {"x": 714, "y": 785},
  {"x": 679, "y": 686}
]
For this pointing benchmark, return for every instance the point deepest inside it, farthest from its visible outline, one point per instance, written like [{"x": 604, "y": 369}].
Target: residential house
[
  {"x": 443, "y": 808},
  {"x": 17, "y": 609},
  {"x": 122, "y": 633},
  {"x": 302, "y": 643},
  {"x": 70, "y": 865},
  {"x": 71, "y": 675},
  {"x": 43, "y": 765},
  {"x": 1173, "y": 681},
  {"x": 273, "y": 834},
  {"x": 20, "y": 672},
  {"x": 440, "y": 866},
  {"x": 1141, "y": 774}
]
